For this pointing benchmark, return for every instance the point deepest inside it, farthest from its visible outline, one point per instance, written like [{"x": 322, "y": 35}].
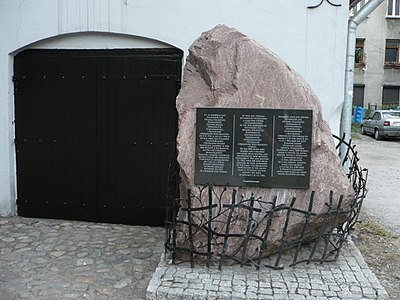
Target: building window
[
  {"x": 392, "y": 53},
  {"x": 355, "y": 8},
  {"x": 358, "y": 95},
  {"x": 390, "y": 96},
  {"x": 393, "y": 10},
  {"x": 360, "y": 53}
]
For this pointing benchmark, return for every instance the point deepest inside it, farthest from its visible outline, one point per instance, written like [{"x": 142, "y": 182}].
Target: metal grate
[{"x": 332, "y": 232}]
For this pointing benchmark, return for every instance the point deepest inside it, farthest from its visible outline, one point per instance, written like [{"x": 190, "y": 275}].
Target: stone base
[{"x": 347, "y": 278}]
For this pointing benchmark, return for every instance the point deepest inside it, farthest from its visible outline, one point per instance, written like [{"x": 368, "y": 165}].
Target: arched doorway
[{"x": 95, "y": 132}]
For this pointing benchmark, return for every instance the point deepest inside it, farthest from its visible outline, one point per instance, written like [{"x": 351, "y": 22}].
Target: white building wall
[{"x": 311, "y": 41}]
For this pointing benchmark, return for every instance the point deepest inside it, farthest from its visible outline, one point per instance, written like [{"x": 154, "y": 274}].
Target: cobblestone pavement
[
  {"x": 54, "y": 259},
  {"x": 51, "y": 259},
  {"x": 348, "y": 278}
]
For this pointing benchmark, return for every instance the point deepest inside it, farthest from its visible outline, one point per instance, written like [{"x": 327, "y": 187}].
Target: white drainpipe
[{"x": 361, "y": 15}]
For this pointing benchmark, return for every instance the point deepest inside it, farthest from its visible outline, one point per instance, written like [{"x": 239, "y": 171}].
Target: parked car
[{"x": 382, "y": 124}]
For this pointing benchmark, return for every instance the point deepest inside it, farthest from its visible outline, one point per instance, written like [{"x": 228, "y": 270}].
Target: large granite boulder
[{"x": 227, "y": 69}]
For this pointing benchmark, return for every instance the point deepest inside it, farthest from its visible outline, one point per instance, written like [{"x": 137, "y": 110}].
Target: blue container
[{"x": 358, "y": 114}]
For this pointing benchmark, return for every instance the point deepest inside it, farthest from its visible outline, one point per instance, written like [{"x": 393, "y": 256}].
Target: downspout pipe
[{"x": 361, "y": 15}]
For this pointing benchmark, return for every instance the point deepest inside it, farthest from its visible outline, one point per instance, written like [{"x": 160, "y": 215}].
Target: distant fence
[{"x": 331, "y": 234}]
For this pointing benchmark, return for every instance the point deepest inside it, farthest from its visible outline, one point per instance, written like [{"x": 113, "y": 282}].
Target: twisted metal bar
[{"x": 324, "y": 248}]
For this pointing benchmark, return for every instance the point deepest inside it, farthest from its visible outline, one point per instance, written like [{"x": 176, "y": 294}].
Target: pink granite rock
[{"x": 227, "y": 69}]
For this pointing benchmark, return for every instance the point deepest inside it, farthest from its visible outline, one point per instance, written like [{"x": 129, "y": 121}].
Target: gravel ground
[
  {"x": 381, "y": 251},
  {"x": 377, "y": 234}
]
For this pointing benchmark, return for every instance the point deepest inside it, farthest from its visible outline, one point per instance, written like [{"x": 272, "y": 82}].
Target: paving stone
[
  {"x": 40, "y": 260},
  {"x": 72, "y": 295},
  {"x": 204, "y": 276},
  {"x": 304, "y": 292},
  {"x": 47, "y": 266},
  {"x": 330, "y": 294},
  {"x": 225, "y": 289},
  {"x": 251, "y": 295},
  {"x": 43, "y": 259},
  {"x": 279, "y": 285},
  {"x": 84, "y": 262},
  {"x": 22, "y": 250},
  {"x": 123, "y": 283},
  {"x": 57, "y": 253},
  {"x": 80, "y": 287},
  {"x": 8, "y": 240},
  {"x": 192, "y": 275},
  {"x": 211, "y": 287},
  {"x": 317, "y": 293},
  {"x": 298, "y": 297}
]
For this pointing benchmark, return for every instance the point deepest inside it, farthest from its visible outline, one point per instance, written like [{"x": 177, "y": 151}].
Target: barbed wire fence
[{"x": 198, "y": 218}]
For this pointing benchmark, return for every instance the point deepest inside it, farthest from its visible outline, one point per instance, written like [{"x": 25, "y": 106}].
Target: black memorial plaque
[
  {"x": 253, "y": 147},
  {"x": 214, "y": 145}
]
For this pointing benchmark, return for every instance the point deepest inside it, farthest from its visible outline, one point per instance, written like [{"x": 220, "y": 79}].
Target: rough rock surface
[{"x": 228, "y": 69}]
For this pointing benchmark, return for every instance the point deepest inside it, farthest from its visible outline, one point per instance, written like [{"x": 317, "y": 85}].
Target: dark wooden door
[{"x": 95, "y": 133}]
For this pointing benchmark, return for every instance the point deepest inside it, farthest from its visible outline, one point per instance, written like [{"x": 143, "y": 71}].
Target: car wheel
[
  {"x": 377, "y": 135},
  {"x": 363, "y": 130}
]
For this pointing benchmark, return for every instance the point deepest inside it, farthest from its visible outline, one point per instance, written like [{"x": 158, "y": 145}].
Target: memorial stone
[{"x": 232, "y": 88}]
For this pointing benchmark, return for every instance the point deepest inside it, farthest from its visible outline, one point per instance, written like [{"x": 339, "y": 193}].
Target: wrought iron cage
[{"x": 291, "y": 251}]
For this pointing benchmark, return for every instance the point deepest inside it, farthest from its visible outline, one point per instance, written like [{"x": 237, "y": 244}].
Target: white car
[{"x": 382, "y": 124}]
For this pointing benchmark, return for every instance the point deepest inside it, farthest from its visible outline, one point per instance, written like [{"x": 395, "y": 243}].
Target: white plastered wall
[{"x": 311, "y": 41}]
